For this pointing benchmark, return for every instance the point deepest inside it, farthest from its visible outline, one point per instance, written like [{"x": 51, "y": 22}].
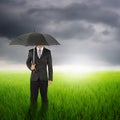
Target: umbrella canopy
[{"x": 32, "y": 39}]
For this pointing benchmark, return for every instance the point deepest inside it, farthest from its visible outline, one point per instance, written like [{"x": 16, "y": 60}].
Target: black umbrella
[{"x": 33, "y": 39}]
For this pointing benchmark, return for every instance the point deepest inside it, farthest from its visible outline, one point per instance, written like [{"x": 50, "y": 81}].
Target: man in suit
[{"x": 41, "y": 73}]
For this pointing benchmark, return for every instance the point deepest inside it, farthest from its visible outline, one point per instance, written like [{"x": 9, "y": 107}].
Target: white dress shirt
[{"x": 41, "y": 50}]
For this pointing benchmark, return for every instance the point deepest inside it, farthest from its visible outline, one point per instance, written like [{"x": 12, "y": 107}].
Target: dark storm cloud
[
  {"x": 13, "y": 23},
  {"x": 90, "y": 13},
  {"x": 13, "y": 2},
  {"x": 68, "y": 30}
]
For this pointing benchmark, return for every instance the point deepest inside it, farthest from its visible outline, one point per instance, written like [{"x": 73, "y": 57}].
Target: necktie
[{"x": 39, "y": 53}]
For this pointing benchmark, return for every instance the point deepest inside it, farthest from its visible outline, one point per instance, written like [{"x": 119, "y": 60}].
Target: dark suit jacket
[{"x": 44, "y": 69}]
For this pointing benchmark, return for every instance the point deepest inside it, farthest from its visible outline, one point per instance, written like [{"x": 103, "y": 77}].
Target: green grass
[{"x": 94, "y": 96}]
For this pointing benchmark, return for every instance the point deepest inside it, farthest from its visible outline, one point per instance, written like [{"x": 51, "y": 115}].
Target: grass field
[{"x": 93, "y": 96}]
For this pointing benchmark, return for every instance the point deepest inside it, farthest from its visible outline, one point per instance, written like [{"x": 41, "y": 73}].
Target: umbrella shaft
[{"x": 34, "y": 56}]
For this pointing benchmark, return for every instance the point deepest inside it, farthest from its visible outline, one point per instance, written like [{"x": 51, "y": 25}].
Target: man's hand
[
  {"x": 49, "y": 82},
  {"x": 33, "y": 66}
]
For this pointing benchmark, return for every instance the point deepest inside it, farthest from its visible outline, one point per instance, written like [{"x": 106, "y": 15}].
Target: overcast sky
[{"x": 88, "y": 30}]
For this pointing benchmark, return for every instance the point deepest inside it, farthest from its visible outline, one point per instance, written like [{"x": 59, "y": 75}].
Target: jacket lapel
[{"x": 43, "y": 52}]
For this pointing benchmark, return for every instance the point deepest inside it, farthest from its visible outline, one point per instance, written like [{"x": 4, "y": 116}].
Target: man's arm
[{"x": 50, "y": 67}]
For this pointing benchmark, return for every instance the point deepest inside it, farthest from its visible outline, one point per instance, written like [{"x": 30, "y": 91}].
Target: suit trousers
[{"x": 35, "y": 86}]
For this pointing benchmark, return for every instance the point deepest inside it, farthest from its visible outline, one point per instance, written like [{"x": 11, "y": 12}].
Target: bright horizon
[{"x": 64, "y": 68}]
